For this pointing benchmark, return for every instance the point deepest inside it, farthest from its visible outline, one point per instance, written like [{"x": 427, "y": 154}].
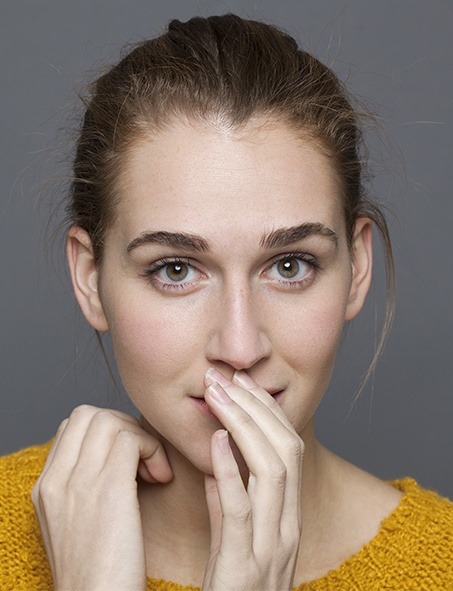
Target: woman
[{"x": 219, "y": 232}]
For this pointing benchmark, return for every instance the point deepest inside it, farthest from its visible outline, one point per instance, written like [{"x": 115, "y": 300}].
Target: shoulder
[
  {"x": 414, "y": 546},
  {"x": 20, "y": 470},
  {"x": 26, "y": 462},
  {"x": 423, "y": 520},
  {"x": 23, "y": 563}
]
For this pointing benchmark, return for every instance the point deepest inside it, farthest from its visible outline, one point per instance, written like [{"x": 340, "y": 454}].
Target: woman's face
[{"x": 228, "y": 250}]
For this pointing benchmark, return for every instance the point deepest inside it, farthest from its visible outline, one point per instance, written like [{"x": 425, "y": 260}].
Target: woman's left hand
[{"x": 255, "y": 531}]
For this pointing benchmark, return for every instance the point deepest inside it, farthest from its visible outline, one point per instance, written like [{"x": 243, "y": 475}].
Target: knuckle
[
  {"x": 126, "y": 439},
  {"x": 294, "y": 530},
  {"x": 242, "y": 515},
  {"x": 83, "y": 411},
  {"x": 293, "y": 536},
  {"x": 295, "y": 449},
  {"x": 104, "y": 414},
  {"x": 230, "y": 474},
  {"x": 244, "y": 420},
  {"x": 47, "y": 490},
  {"x": 279, "y": 475}
]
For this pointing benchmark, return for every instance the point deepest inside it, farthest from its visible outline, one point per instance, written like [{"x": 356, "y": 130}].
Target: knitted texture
[{"x": 413, "y": 551}]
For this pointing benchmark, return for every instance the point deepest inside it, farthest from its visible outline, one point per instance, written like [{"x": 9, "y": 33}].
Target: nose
[{"x": 237, "y": 337}]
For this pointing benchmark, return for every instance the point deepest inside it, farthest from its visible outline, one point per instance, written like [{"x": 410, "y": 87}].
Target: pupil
[
  {"x": 177, "y": 272},
  {"x": 288, "y": 268}
]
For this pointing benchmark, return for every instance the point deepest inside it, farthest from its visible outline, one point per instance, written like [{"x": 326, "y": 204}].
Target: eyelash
[
  {"x": 153, "y": 269},
  {"x": 151, "y": 273}
]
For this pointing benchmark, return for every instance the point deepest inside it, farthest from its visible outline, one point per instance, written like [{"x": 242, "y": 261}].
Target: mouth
[
  {"x": 274, "y": 392},
  {"x": 277, "y": 394},
  {"x": 202, "y": 405}
]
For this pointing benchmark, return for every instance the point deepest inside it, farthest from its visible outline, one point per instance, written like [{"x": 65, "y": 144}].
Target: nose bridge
[{"x": 239, "y": 338}]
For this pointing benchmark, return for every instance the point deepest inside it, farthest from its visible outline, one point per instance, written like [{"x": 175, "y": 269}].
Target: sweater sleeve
[{"x": 23, "y": 561}]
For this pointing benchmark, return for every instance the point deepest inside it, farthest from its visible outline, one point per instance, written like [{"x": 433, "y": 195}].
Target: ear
[
  {"x": 362, "y": 263},
  {"x": 85, "y": 276}
]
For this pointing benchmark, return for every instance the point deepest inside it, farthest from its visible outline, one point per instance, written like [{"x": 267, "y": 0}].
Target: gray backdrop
[{"x": 398, "y": 55}]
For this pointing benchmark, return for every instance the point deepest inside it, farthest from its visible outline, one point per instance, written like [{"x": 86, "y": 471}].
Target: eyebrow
[
  {"x": 286, "y": 236},
  {"x": 176, "y": 239},
  {"x": 275, "y": 239}
]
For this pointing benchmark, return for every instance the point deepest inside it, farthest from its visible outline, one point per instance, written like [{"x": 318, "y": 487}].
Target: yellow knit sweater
[{"x": 413, "y": 550}]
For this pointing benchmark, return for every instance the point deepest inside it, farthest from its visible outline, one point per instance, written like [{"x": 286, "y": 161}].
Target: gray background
[{"x": 396, "y": 54}]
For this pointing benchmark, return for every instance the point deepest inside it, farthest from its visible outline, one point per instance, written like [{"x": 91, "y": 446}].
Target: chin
[{"x": 198, "y": 455}]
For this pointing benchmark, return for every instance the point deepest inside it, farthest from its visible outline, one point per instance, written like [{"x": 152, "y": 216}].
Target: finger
[
  {"x": 214, "y": 511},
  {"x": 66, "y": 449},
  {"x": 100, "y": 434},
  {"x": 241, "y": 378},
  {"x": 282, "y": 438},
  {"x": 265, "y": 466},
  {"x": 242, "y": 381},
  {"x": 291, "y": 450},
  {"x": 128, "y": 449},
  {"x": 61, "y": 429},
  {"x": 236, "y": 527}
]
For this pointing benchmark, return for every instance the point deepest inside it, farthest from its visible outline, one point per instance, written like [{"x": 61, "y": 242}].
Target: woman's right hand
[{"x": 86, "y": 500}]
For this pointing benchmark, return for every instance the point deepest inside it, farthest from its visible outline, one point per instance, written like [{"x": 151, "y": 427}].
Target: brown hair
[{"x": 227, "y": 69}]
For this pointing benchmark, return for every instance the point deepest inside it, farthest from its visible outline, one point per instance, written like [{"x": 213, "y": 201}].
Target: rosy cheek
[
  {"x": 312, "y": 337},
  {"x": 151, "y": 344}
]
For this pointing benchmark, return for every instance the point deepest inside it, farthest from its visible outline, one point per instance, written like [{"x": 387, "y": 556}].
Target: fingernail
[
  {"x": 223, "y": 442},
  {"x": 212, "y": 375},
  {"x": 218, "y": 393},
  {"x": 243, "y": 379}
]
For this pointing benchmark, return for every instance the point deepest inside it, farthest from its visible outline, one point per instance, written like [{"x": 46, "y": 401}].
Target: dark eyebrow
[
  {"x": 275, "y": 239},
  {"x": 176, "y": 239},
  {"x": 287, "y": 236}
]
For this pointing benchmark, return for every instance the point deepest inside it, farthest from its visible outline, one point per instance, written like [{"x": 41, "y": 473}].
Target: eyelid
[
  {"x": 306, "y": 258},
  {"x": 151, "y": 273},
  {"x": 152, "y": 270}
]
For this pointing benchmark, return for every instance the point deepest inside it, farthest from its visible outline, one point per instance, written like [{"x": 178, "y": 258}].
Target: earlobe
[
  {"x": 85, "y": 276},
  {"x": 362, "y": 263}
]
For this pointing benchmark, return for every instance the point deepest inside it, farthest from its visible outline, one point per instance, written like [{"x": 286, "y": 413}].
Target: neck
[{"x": 176, "y": 515}]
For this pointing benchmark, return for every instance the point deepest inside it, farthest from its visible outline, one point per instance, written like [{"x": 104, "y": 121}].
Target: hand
[
  {"x": 86, "y": 500},
  {"x": 255, "y": 532}
]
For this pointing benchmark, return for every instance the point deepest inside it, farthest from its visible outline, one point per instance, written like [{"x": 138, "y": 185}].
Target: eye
[
  {"x": 174, "y": 271},
  {"x": 294, "y": 270},
  {"x": 171, "y": 274}
]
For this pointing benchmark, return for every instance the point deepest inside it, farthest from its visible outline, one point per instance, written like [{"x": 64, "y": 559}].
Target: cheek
[
  {"x": 157, "y": 349},
  {"x": 309, "y": 347},
  {"x": 314, "y": 330},
  {"x": 153, "y": 345}
]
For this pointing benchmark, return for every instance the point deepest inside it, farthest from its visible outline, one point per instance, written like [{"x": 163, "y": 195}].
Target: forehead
[{"x": 204, "y": 178}]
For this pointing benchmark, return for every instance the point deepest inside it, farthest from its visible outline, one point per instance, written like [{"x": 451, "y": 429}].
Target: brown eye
[
  {"x": 289, "y": 268},
  {"x": 176, "y": 271},
  {"x": 293, "y": 270},
  {"x": 173, "y": 275}
]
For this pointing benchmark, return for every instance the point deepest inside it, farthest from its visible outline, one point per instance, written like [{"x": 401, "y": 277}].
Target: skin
[{"x": 265, "y": 318}]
